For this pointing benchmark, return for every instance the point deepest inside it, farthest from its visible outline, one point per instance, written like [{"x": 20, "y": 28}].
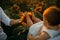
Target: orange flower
[
  {"x": 22, "y": 17},
  {"x": 21, "y": 14},
  {"x": 25, "y": 24},
  {"x": 37, "y": 9},
  {"x": 40, "y": 4},
  {"x": 16, "y": 7},
  {"x": 29, "y": 13}
]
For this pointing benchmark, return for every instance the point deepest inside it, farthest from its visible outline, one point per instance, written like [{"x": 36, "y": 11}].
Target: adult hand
[{"x": 13, "y": 21}]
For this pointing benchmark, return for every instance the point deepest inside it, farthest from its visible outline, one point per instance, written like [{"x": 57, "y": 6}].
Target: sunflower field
[{"x": 15, "y": 10}]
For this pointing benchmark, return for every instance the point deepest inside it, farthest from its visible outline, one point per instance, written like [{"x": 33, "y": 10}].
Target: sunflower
[
  {"x": 37, "y": 9},
  {"x": 15, "y": 7},
  {"x": 40, "y": 4},
  {"x": 21, "y": 14}
]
